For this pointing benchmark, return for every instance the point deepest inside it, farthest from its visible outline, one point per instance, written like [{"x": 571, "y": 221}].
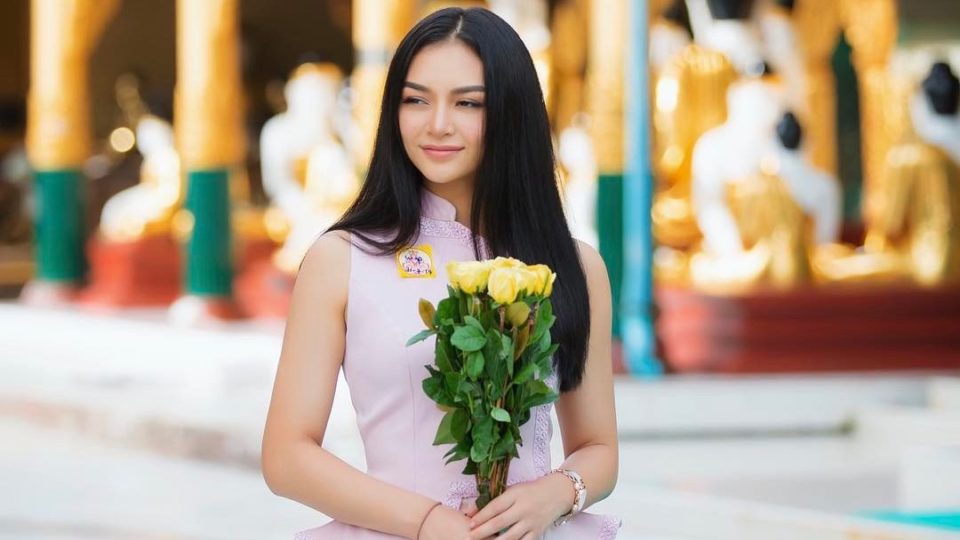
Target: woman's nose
[{"x": 440, "y": 121}]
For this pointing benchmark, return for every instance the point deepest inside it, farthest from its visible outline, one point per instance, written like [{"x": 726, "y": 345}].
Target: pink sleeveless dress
[{"x": 397, "y": 421}]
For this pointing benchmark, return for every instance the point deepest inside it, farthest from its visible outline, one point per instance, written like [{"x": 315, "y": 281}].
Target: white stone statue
[
  {"x": 307, "y": 172},
  {"x": 817, "y": 193},
  {"x": 147, "y": 207},
  {"x": 530, "y": 19},
  {"x": 668, "y": 36},
  {"x": 725, "y": 26},
  {"x": 940, "y": 128},
  {"x": 730, "y": 151},
  {"x": 576, "y": 154}
]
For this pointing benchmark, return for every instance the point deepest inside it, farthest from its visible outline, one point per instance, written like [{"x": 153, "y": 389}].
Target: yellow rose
[
  {"x": 545, "y": 279},
  {"x": 506, "y": 262},
  {"x": 548, "y": 288},
  {"x": 503, "y": 286},
  {"x": 468, "y": 276},
  {"x": 526, "y": 280}
]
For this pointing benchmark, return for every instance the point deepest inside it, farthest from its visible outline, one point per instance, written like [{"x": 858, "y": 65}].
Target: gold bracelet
[{"x": 424, "y": 520}]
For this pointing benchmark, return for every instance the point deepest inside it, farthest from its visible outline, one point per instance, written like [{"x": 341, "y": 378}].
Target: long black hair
[{"x": 516, "y": 195}]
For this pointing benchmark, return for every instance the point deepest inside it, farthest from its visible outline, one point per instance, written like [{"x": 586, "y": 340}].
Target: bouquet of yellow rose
[{"x": 493, "y": 353}]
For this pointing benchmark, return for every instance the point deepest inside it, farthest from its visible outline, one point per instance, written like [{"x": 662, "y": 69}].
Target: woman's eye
[
  {"x": 470, "y": 104},
  {"x": 414, "y": 100}
]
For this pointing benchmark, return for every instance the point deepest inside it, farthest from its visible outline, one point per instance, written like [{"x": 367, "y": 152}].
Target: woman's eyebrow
[{"x": 461, "y": 90}]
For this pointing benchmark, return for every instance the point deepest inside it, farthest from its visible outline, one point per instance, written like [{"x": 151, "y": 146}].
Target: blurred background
[{"x": 773, "y": 184}]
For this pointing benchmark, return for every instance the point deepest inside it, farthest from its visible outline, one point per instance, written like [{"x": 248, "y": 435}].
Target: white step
[
  {"x": 712, "y": 405},
  {"x": 930, "y": 479},
  {"x": 899, "y": 427},
  {"x": 944, "y": 393}
]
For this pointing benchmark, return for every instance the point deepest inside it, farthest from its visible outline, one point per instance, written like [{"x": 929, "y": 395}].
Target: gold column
[
  {"x": 63, "y": 34},
  {"x": 817, "y": 24},
  {"x": 605, "y": 62},
  {"x": 209, "y": 93},
  {"x": 871, "y": 29},
  {"x": 378, "y": 27},
  {"x": 568, "y": 58}
]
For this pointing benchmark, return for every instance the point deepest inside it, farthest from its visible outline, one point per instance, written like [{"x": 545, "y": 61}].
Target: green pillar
[
  {"x": 60, "y": 226},
  {"x": 610, "y": 234},
  {"x": 208, "y": 269}
]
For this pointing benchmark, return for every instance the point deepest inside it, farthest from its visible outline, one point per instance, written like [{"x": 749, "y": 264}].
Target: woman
[{"x": 463, "y": 146}]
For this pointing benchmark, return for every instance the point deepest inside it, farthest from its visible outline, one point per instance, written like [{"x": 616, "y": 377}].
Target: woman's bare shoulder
[
  {"x": 325, "y": 271},
  {"x": 593, "y": 264}
]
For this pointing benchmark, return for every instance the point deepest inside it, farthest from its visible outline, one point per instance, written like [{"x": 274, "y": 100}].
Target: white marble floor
[{"x": 128, "y": 428}]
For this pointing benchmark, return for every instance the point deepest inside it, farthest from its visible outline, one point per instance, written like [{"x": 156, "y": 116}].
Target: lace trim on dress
[
  {"x": 541, "y": 434},
  {"x": 450, "y": 229},
  {"x": 609, "y": 528},
  {"x": 464, "y": 489}
]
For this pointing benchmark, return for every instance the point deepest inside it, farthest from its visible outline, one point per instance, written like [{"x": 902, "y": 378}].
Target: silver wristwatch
[{"x": 581, "y": 497}]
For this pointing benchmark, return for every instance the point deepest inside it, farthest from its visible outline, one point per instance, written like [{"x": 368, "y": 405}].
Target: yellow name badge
[{"x": 416, "y": 262}]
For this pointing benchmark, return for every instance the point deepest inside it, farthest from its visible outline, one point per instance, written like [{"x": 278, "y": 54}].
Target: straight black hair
[{"x": 516, "y": 191}]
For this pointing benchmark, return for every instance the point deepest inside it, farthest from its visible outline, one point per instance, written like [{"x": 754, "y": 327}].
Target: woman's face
[{"x": 442, "y": 112}]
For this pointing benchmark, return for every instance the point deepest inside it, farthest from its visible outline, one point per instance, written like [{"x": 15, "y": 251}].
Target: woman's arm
[
  {"x": 587, "y": 415},
  {"x": 294, "y": 464}
]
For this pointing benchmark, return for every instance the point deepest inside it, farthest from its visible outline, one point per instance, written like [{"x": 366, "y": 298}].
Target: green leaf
[
  {"x": 444, "y": 434},
  {"x": 474, "y": 365},
  {"x": 482, "y": 433},
  {"x": 468, "y": 339},
  {"x": 525, "y": 373},
  {"x": 543, "y": 321},
  {"x": 446, "y": 312},
  {"x": 506, "y": 446},
  {"x": 458, "y": 452},
  {"x": 441, "y": 358},
  {"x": 451, "y": 381},
  {"x": 422, "y": 335},
  {"x": 538, "y": 393},
  {"x": 471, "y": 321},
  {"x": 460, "y": 424},
  {"x": 500, "y": 415},
  {"x": 506, "y": 346},
  {"x": 434, "y": 387}
]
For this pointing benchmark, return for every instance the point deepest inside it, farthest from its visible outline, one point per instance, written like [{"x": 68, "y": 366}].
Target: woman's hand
[
  {"x": 446, "y": 523},
  {"x": 525, "y": 509}
]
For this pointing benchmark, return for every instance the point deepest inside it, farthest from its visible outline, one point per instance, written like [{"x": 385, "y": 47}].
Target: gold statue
[
  {"x": 690, "y": 98},
  {"x": 915, "y": 212}
]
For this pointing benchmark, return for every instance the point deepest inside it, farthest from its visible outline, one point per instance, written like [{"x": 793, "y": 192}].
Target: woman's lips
[{"x": 440, "y": 152}]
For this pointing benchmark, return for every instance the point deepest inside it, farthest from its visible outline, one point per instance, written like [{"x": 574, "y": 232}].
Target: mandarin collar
[{"x": 436, "y": 207}]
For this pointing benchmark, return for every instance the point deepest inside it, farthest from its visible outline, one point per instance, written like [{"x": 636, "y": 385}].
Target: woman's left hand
[{"x": 525, "y": 509}]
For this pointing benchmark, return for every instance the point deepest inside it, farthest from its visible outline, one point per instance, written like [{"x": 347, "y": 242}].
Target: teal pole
[
  {"x": 60, "y": 226},
  {"x": 208, "y": 269},
  {"x": 636, "y": 305}
]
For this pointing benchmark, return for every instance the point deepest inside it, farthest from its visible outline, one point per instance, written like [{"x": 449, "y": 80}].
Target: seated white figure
[
  {"x": 817, "y": 193},
  {"x": 668, "y": 35},
  {"x": 307, "y": 173},
  {"x": 725, "y": 26},
  {"x": 731, "y": 151},
  {"x": 934, "y": 113},
  {"x": 148, "y": 207},
  {"x": 576, "y": 154}
]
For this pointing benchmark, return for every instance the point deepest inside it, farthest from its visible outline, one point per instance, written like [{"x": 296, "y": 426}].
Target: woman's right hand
[{"x": 445, "y": 523}]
